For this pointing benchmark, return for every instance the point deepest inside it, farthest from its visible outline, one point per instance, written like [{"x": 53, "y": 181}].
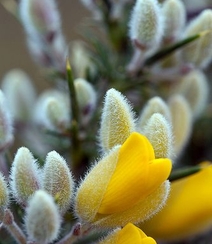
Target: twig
[{"x": 13, "y": 228}]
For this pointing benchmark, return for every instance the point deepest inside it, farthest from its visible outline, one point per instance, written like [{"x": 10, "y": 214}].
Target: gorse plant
[{"x": 121, "y": 143}]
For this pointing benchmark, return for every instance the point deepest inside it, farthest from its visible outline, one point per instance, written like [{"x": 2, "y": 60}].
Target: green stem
[
  {"x": 166, "y": 51},
  {"x": 76, "y": 145},
  {"x": 183, "y": 172}
]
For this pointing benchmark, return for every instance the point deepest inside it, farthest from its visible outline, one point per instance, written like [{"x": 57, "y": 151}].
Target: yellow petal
[
  {"x": 188, "y": 210},
  {"x": 130, "y": 234},
  {"x": 128, "y": 183},
  {"x": 159, "y": 171}
]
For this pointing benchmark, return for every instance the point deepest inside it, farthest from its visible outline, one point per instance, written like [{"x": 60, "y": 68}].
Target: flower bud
[
  {"x": 25, "y": 176},
  {"x": 175, "y": 17},
  {"x": 6, "y": 135},
  {"x": 105, "y": 201},
  {"x": 86, "y": 97},
  {"x": 199, "y": 52},
  {"x": 188, "y": 209},
  {"x": 129, "y": 234},
  {"x": 117, "y": 121},
  {"x": 40, "y": 17},
  {"x": 159, "y": 133},
  {"x": 81, "y": 60},
  {"x": 4, "y": 193},
  {"x": 42, "y": 220},
  {"x": 154, "y": 105},
  {"x": 146, "y": 24},
  {"x": 52, "y": 111},
  {"x": 20, "y": 94},
  {"x": 181, "y": 122},
  {"x": 197, "y": 97},
  {"x": 57, "y": 180}
]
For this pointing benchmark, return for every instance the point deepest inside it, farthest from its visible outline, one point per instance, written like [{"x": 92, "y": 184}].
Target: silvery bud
[
  {"x": 20, "y": 94},
  {"x": 86, "y": 97},
  {"x": 25, "y": 176},
  {"x": 42, "y": 220},
  {"x": 57, "y": 180},
  {"x": 52, "y": 111},
  {"x": 146, "y": 24},
  {"x": 6, "y": 130}
]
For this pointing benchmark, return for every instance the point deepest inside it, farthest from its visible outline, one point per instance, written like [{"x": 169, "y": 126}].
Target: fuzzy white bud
[
  {"x": 6, "y": 130},
  {"x": 25, "y": 176},
  {"x": 146, "y": 24},
  {"x": 57, "y": 180},
  {"x": 42, "y": 220},
  {"x": 20, "y": 94},
  {"x": 86, "y": 97},
  {"x": 175, "y": 17},
  {"x": 52, "y": 111},
  {"x": 199, "y": 52},
  {"x": 117, "y": 121}
]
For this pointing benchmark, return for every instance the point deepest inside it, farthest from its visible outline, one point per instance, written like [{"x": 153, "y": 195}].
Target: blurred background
[{"x": 13, "y": 49}]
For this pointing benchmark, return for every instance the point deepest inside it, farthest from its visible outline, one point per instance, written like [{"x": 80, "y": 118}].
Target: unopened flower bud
[
  {"x": 20, "y": 94},
  {"x": 81, "y": 60},
  {"x": 86, "y": 97},
  {"x": 130, "y": 234},
  {"x": 4, "y": 193},
  {"x": 6, "y": 135},
  {"x": 25, "y": 176},
  {"x": 105, "y": 201},
  {"x": 154, "y": 105},
  {"x": 199, "y": 52},
  {"x": 175, "y": 18},
  {"x": 40, "y": 17},
  {"x": 159, "y": 133},
  {"x": 52, "y": 111},
  {"x": 181, "y": 122},
  {"x": 188, "y": 211},
  {"x": 57, "y": 180},
  {"x": 117, "y": 121},
  {"x": 42, "y": 220},
  {"x": 146, "y": 24},
  {"x": 197, "y": 97}
]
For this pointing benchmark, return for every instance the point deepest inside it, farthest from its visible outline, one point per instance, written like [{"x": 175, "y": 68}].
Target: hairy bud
[
  {"x": 197, "y": 97},
  {"x": 117, "y": 121},
  {"x": 57, "y": 180},
  {"x": 159, "y": 133},
  {"x": 6, "y": 135},
  {"x": 25, "y": 175},
  {"x": 199, "y": 52},
  {"x": 20, "y": 94},
  {"x": 42, "y": 220},
  {"x": 4, "y": 193},
  {"x": 154, "y": 105},
  {"x": 86, "y": 97},
  {"x": 181, "y": 122},
  {"x": 52, "y": 111},
  {"x": 40, "y": 16},
  {"x": 146, "y": 24},
  {"x": 175, "y": 18}
]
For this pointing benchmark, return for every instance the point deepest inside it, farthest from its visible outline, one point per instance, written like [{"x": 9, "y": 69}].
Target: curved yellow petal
[
  {"x": 159, "y": 171},
  {"x": 128, "y": 183},
  {"x": 188, "y": 210},
  {"x": 130, "y": 234},
  {"x": 143, "y": 209}
]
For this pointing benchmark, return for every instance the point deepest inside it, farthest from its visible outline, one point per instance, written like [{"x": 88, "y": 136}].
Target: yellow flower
[
  {"x": 188, "y": 210},
  {"x": 127, "y": 185},
  {"x": 130, "y": 234}
]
